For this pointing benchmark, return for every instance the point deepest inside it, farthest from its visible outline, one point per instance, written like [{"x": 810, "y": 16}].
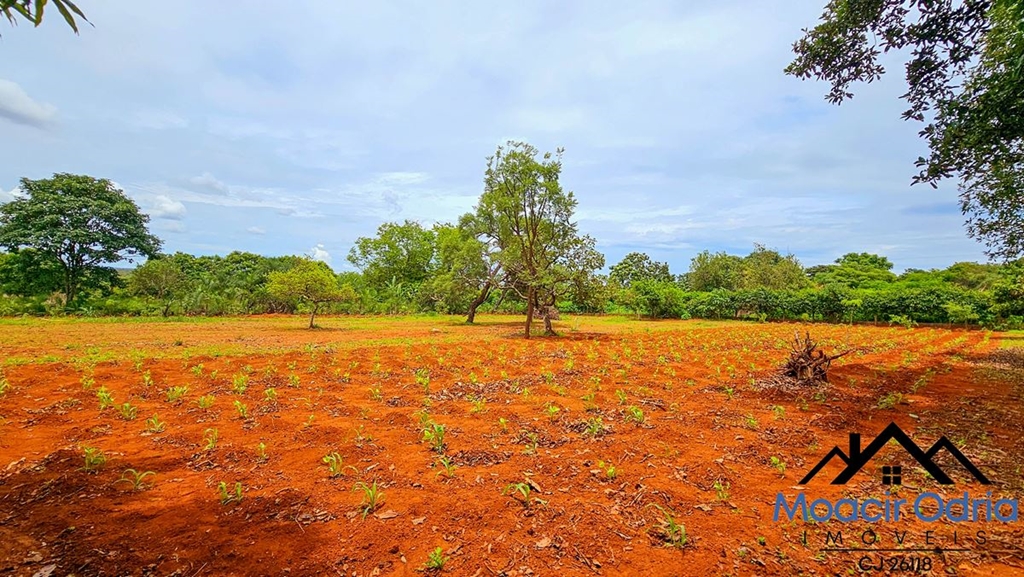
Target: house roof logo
[{"x": 856, "y": 458}]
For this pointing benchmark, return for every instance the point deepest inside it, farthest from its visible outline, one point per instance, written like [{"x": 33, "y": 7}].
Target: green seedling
[
  {"x": 154, "y": 424},
  {"x": 503, "y": 424},
  {"x": 522, "y": 492},
  {"x": 435, "y": 560},
  {"x": 128, "y": 411},
  {"x": 433, "y": 433},
  {"x": 448, "y": 468},
  {"x": 261, "y": 453},
  {"x": 552, "y": 410},
  {"x": 779, "y": 465},
  {"x": 635, "y": 414},
  {"x": 423, "y": 380},
  {"x": 335, "y": 463},
  {"x": 751, "y": 422},
  {"x": 779, "y": 412},
  {"x": 94, "y": 459},
  {"x": 270, "y": 394},
  {"x": 87, "y": 383},
  {"x": 293, "y": 380},
  {"x": 609, "y": 469},
  {"x": 175, "y": 394},
  {"x": 621, "y": 396},
  {"x": 242, "y": 408},
  {"x": 210, "y": 437},
  {"x": 206, "y": 401},
  {"x": 721, "y": 490},
  {"x": 532, "y": 442},
  {"x": 375, "y": 393},
  {"x": 135, "y": 478},
  {"x": 105, "y": 398},
  {"x": 227, "y": 496},
  {"x": 373, "y": 497},
  {"x": 239, "y": 383},
  {"x": 672, "y": 532},
  {"x": 594, "y": 427},
  {"x": 147, "y": 379}
]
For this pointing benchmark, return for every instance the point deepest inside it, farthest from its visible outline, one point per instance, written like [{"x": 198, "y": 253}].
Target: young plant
[
  {"x": 242, "y": 408},
  {"x": 552, "y": 410},
  {"x": 609, "y": 469},
  {"x": 375, "y": 393},
  {"x": 594, "y": 427},
  {"x": 751, "y": 422},
  {"x": 503, "y": 424},
  {"x": 147, "y": 379},
  {"x": 433, "y": 433},
  {"x": 635, "y": 414},
  {"x": 206, "y": 401},
  {"x": 261, "y": 453},
  {"x": 270, "y": 394},
  {"x": 335, "y": 463},
  {"x": 779, "y": 465},
  {"x": 135, "y": 478},
  {"x": 105, "y": 398},
  {"x": 435, "y": 560},
  {"x": 210, "y": 437},
  {"x": 175, "y": 394},
  {"x": 94, "y": 459},
  {"x": 227, "y": 496},
  {"x": 154, "y": 424},
  {"x": 621, "y": 395},
  {"x": 778, "y": 412},
  {"x": 239, "y": 383},
  {"x": 522, "y": 492},
  {"x": 423, "y": 379},
  {"x": 448, "y": 468},
  {"x": 128, "y": 411},
  {"x": 672, "y": 532},
  {"x": 373, "y": 497},
  {"x": 478, "y": 406},
  {"x": 721, "y": 490},
  {"x": 293, "y": 381}
]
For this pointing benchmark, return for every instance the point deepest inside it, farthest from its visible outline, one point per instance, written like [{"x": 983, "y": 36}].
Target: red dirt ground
[{"x": 704, "y": 451}]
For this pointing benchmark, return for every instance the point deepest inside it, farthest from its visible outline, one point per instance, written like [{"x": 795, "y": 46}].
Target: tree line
[{"x": 518, "y": 251}]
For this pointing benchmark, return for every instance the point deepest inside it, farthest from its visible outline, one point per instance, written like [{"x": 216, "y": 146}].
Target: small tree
[
  {"x": 309, "y": 282},
  {"x": 162, "y": 279},
  {"x": 81, "y": 222}
]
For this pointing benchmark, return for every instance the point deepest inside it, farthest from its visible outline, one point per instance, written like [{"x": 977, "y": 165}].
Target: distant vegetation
[{"x": 519, "y": 246}]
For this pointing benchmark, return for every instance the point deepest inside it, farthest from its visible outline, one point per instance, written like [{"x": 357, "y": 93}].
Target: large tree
[
  {"x": 529, "y": 225},
  {"x": 161, "y": 278},
  {"x": 79, "y": 221},
  {"x": 311, "y": 282},
  {"x": 400, "y": 253},
  {"x": 965, "y": 81},
  {"x": 637, "y": 266}
]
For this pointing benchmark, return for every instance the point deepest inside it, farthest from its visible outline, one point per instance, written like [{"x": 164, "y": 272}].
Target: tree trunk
[
  {"x": 311, "y": 316},
  {"x": 548, "y": 330},
  {"x": 530, "y": 298},
  {"x": 479, "y": 300}
]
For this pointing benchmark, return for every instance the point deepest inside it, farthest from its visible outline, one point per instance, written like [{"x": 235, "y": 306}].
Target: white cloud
[
  {"x": 162, "y": 206},
  {"x": 319, "y": 253},
  {"x": 7, "y": 196},
  {"x": 256, "y": 230},
  {"x": 19, "y": 107},
  {"x": 209, "y": 182}
]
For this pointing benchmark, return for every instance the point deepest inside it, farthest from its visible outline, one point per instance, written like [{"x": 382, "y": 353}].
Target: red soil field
[{"x": 614, "y": 426}]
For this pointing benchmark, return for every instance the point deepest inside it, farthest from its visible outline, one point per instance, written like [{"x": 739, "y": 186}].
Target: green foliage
[
  {"x": 229, "y": 496},
  {"x": 81, "y": 222},
  {"x": 163, "y": 279},
  {"x": 94, "y": 459},
  {"x": 135, "y": 478},
  {"x": 433, "y": 433},
  {"x": 210, "y": 437},
  {"x": 637, "y": 266},
  {"x": 672, "y": 532},
  {"x": 309, "y": 282},
  {"x": 155, "y": 425},
  {"x": 336, "y": 464},
  {"x": 373, "y": 497},
  {"x": 32, "y": 11},
  {"x": 435, "y": 560}
]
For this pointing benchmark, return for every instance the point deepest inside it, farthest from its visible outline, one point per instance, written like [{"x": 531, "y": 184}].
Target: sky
[{"x": 245, "y": 126}]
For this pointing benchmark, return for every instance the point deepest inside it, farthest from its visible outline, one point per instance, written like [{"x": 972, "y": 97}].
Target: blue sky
[{"x": 242, "y": 126}]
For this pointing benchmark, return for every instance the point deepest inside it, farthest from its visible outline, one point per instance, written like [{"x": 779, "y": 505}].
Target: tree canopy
[
  {"x": 310, "y": 282},
  {"x": 33, "y": 10},
  {"x": 965, "y": 80},
  {"x": 80, "y": 222}
]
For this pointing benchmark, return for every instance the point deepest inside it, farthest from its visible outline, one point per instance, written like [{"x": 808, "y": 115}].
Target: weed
[
  {"x": 242, "y": 408},
  {"x": 134, "y": 478},
  {"x": 210, "y": 437},
  {"x": 206, "y": 401},
  {"x": 175, "y": 394},
  {"x": 335, "y": 463},
  {"x": 227, "y": 496},
  {"x": 435, "y": 560},
  {"x": 94, "y": 459},
  {"x": 154, "y": 424},
  {"x": 373, "y": 497}
]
